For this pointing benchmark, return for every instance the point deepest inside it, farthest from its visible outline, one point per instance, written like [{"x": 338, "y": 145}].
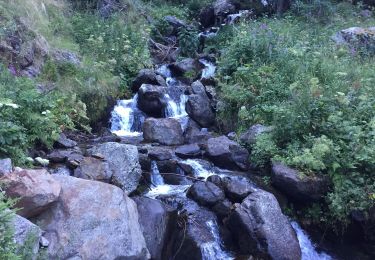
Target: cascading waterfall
[
  {"x": 307, "y": 247},
  {"x": 213, "y": 250},
  {"x": 126, "y": 118},
  {"x": 198, "y": 169},
  {"x": 156, "y": 177}
]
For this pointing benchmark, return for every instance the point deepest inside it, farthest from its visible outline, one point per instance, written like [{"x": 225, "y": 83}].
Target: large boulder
[
  {"x": 188, "y": 151},
  {"x": 27, "y": 236},
  {"x": 194, "y": 134},
  {"x": 165, "y": 131},
  {"x": 151, "y": 100},
  {"x": 261, "y": 229},
  {"x": 357, "y": 38},
  {"x": 5, "y": 166},
  {"x": 249, "y": 136},
  {"x": 199, "y": 107},
  {"x": 123, "y": 162},
  {"x": 236, "y": 188},
  {"x": 152, "y": 214},
  {"x": 205, "y": 193},
  {"x": 93, "y": 169},
  {"x": 147, "y": 76},
  {"x": 35, "y": 190},
  {"x": 92, "y": 219},
  {"x": 297, "y": 185},
  {"x": 227, "y": 153}
]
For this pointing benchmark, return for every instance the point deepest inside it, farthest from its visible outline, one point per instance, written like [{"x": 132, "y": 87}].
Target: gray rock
[
  {"x": 262, "y": 230},
  {"x": 146, "y": 76},
  {"x": 27, "y": 233},
  {"x": 65, "y": 142},
  {"x": 92, "y": 219},
  {"x": 64, "y": 56},
  {"x": 223, "y": 7},
  {"x": 205, "y": 193},
  {"x": 35, "y": 190},
  {"x": 194, "y": 134},
  {"x": 43, "y": 242},
  {"x": 227, "y": 153},
  {"x": 165, "y": 131},
  {"x": 296, "y": 185},
  {"x": 249, "y": 137},
  {"x": 357, "y": 38},
  {"x": 222, "y": 208},
  {"x": 188, "y": 151},
  {"x": 93, "y": 169},
  {"x": 157, "y": 221},
  {"x": 186, "y": 65},
  {"x": 61, "y": 171},
  {"x": 160, "y": 153},
  {"x": 5, "y": 166},
  {"x": 237, "y": 189},
  {"x": 123, "y": 163},
  {"x": 199, "y": 108},
  {"x": 151, "y": 100}
]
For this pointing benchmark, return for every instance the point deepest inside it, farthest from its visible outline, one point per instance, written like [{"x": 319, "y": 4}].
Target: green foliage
[
  {"x": 7, "y": 246},
  {"x": 28, "y": 117},
  {"x": 314, "y": 10},
  {"x": 319, "y": 97},
  {"x": 188, "y": 41}
]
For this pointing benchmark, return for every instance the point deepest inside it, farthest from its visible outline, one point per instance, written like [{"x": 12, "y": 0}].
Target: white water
[
  {"x": 213, "y": 250},
  {"x": 209, "y": 69},
  {"x": 156, "y": 177},
  {"x": 198, "y": 169},
  {"x": 173, "y": 109},
  {"x": 123, "y": 117},
  {"x": 308, "y": 249}
]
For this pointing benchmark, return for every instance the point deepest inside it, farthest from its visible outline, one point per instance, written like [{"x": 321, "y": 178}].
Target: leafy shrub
[
  {"x": 28, "y": 117},
  {"x": 7, "y": 246},
  {"x": 188, "y": 41},
  {"x": 319, "y": 97}
]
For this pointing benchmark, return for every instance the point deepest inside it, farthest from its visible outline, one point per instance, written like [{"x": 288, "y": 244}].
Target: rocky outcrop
[
  {"x": 297, "y": 186},
  {"x": 249, "y": 136},
  {"x": 198, "y": 106},
  {"x": 156, "y": 220},
  {"x": 93, "y": 169},
  {"x": 205, "y": 193},
  {"x": 35, "y": 190},
  {"x": 90, "y": 220},
  {"x": 261, "y": 229},
  {"x": 5, "y": 166},
  {"x": 227, "y": 153},
  {"x": 27, "y": 234},
  {"x": 123, "y": 163},
  {"x": 151, "y": 100},
  {"x": 146, "y": 76},
  {"x": 165, "y": 131},
  {"x": 357, "y": 38}
]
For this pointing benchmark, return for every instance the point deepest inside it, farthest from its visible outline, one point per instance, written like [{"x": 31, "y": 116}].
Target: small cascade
[
  {"x": 174, "y": 109},
  {"x": 209, "y": 69},
  {"x": 213, "y": 250},
  {"x": 126, "y": 118},
  {"x": 199, "y": 170},
  {"x": 156, "y": 178},
  {"x": 308, "y": 249}
]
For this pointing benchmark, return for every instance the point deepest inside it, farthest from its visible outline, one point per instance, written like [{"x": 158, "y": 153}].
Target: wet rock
[
  {"x": 357, "y": 38},
  {"x": 236, "y": 189},
  {"x": 227, "y": 153},
  {"x": 167, "y": 166},
  {"x": 205, "y": 193},
  {"x": 207, "y": 16},
  {"x": 261, "y": 228},
  {"x": 27, "y": 234},
  {"x": 194, "y": 134},
  {"x": 188, "y": 151},
  {"x": 144, "y": 161},
  {"x": 296, "y": 185},
  {"x": 165, "y": 131},
  {"x": 151, "y": 100},
  {"x": 215, "y": 179},
  {"x": 249, "y": 137},
  {"x": 176, "y": 179},
  {"x": 146, "y": 76},
  {"x": 93, "y": 169},
  {"x": 160, "y": 153},
  {"x": 198, "y": 108},
  {"x": 5, "y": 166},
  {"x": 153, "y": 213},
  {"x": 65, "y": 142},
  {"x": 186, "y": 65},
  {"x": 36, "y": 190},
  {"x": 222, "y": 208},
  {"x": 123, "y": 162},
  {"x": 92, "y": 219}
]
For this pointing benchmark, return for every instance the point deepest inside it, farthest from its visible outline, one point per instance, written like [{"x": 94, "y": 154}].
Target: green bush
[
  {"x": 319, "y": 97},
  {"x": 29, "y": 118}
]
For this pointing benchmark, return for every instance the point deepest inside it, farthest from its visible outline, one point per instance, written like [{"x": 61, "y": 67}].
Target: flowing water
[
  {"x": 209, "y": 69},
  {"x": 308, "y": 249}
]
